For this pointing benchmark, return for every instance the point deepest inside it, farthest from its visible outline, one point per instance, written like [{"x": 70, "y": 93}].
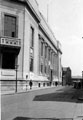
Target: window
[
  {"x": 45, "y": 51},
  {"x": 31, "y": 49},
  {"x": 41, "y": 68},
  {"x": 45, "y": 69},
  {"x": 41, "y": 48},
  {"x": 32, "y": 37},
  {"x": 51, "y": 57},
  {"x": 49, "y": 54},
  {"x": 8, "y": 60},
  {"x": 10, "y": 26},
  {"x": 31, "y": 64}
]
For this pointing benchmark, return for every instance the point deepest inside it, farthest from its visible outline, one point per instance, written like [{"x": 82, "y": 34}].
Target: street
[{"x": 48, "y": 104}]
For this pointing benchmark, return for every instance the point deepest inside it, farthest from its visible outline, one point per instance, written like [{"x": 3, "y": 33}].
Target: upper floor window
[
  {"x": 41, "y": 48},
  {"x": 32, "y": 37},
  {"x": 10, "y": 26},
  {"x": 45, "y": 51},
  {"x": 41, "y": 68},
  {"x": 51, "y": 58},
  {"x": 49, "y": 54},
  {"x": 31, "y": 64},
  {"x": 45, "y": 68}
]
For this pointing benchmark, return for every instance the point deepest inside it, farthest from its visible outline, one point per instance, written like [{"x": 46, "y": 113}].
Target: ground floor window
[{"x": 8, "y": 60}]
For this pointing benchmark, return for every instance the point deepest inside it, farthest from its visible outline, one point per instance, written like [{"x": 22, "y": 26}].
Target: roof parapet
[
  {"x": 48, "y": 30},
  {"x": 59, "y": 47},
  {"x": 33, "y": 6}
]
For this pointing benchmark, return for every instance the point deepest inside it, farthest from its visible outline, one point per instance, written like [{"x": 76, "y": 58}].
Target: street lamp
[{"x": 16, "y": 69}]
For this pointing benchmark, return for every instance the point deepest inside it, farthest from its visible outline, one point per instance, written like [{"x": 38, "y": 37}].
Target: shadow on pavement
[
  {"x": 26, "y": 118},
  {"x": 61, "y": 95}
]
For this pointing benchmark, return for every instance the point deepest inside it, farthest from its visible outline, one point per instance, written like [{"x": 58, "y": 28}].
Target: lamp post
[
  {"x": 16, "y": 69},
  {"x": 26, "y": 81},
  {"x": 81, "y": 79}
]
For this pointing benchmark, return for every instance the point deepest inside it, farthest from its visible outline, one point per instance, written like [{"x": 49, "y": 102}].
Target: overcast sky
[{"x": 65, "y": 18}]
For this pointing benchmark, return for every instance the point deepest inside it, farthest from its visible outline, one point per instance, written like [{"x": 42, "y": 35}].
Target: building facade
[
  {"x": 66, "y": 76},
  {"x": 28, "y": 48}
]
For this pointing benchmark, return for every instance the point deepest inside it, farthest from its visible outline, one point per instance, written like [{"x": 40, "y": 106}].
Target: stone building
[
  {"x": 28, "y": 48},
  {"x": 66, "y": 76}
]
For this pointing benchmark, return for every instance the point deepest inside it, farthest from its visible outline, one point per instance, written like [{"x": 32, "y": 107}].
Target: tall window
[
  {"x": 31, "y": 49},
  {"x": 41, "y": 68},
  {"x": 41, "y": 48},
  {"x": 10, "y": 26},
  {"x": 51, "y": 57},
  {"x": 32, "y": 37},
  {"x": 49, "y": 54},
  {"x": 31, "y": 64},
  {"x": 45, "y": 51},
  {"x": 45, "y": 69}
]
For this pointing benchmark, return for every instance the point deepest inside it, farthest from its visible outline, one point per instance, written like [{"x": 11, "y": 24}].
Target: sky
[{"x": 65, "y": 18}]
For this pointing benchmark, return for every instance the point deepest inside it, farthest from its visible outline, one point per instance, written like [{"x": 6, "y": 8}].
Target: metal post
[
  {"x": 26, "y": 81},
  {"x": 16, "y": 68},
  {"x": 81, "y": 79}
]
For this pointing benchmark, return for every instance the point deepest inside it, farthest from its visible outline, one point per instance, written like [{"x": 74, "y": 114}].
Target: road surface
[{"x": 57, "y": 103}]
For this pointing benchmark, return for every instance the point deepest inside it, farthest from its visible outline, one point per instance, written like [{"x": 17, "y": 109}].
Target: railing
[{"x": 10, "y": 41}]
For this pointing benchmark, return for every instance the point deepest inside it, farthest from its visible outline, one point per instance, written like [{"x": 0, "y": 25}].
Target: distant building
[
  {"x": 27, "y": 44},
  {"x": 77, "y": 81},
  {"x": 66, "y": 76}
]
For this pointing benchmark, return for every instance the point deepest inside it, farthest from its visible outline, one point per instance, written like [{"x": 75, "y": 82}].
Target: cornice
[
  {"x": 59, "y": 51},
  {"x": 29, "y": 7},
  {"x": 46, "y": 34},
  {"x": 33, "y": 10}
]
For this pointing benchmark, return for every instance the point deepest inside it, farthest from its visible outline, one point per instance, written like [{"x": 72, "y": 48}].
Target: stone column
[{"x": 43, "y": 58}]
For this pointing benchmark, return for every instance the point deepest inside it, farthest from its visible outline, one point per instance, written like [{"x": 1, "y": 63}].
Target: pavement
[
  {"x": 24, "y": 90},
  {"x": 45, "y": 103},
  {"x": 81, "y": 94}
]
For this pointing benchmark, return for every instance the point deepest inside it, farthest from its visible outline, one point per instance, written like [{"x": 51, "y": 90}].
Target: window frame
[
  {"x": 45, "y": 51},
  {"x": 31, "y": 69},
  {"x": 32, "y": 46},
  {"x": 32, "y": 34},
  {"x": 3, "y": 24},
  {"x": 42, "y": 45},
  {"x": 41, "y": 68}
]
